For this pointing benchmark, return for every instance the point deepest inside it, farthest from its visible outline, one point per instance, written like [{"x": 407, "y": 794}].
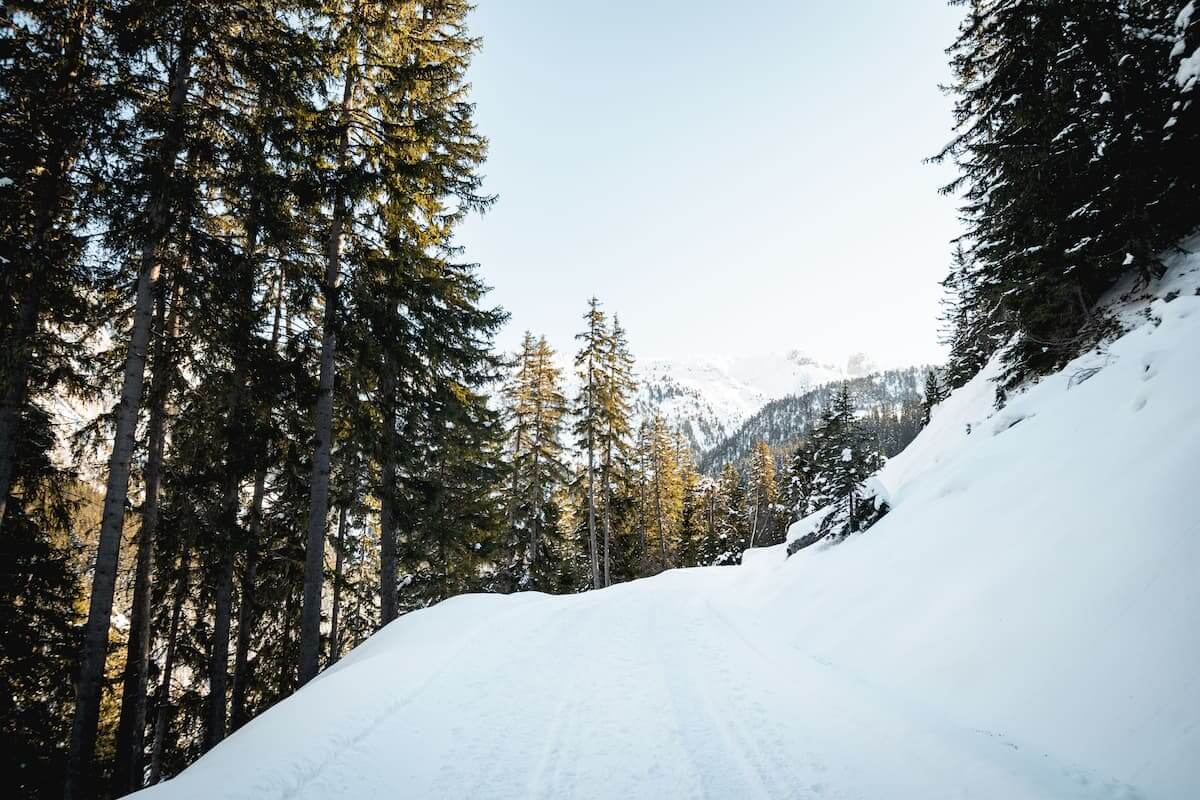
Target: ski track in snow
[
  {"x": 661, "y": 688},
  {"x": 1023, "y": 625}
]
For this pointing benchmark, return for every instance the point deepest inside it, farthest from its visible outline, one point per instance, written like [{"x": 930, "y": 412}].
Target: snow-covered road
[
  {"x": 1024, "y": 623},
  {"x": 672, "y": 687}
]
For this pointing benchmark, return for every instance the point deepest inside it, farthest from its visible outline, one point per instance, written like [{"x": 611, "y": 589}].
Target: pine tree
[
  {"x": 1180, "y": 27},
  {"x": 589, "y": 424},
  {"x": 724, "y": 535},
  {"x": 519, "y": 411},
  {"x": 38, "y": 589},
  {"x": 761, "y": 495},
  {"x": 692, "y": 507},
  {"x": 1060, "y": 112},
  {"x": 969, "y": 321},
  {"x": 614, "y": 434},
  {"x": 934, "y": 394},
  {"x": 397, "y": 64},
  {"x": 641, "y": 558},
  {"x": 348, "y": 44},
  {"x": 798, "y": 483},
  {"x": 665, "y": 491},
  {"x": 153, "y": 226},
  {"x": 536, "y": 409},
  {"x": 842, "y": 460}
]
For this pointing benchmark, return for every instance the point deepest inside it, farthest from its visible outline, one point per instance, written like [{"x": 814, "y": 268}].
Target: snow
[
  {"x": 1189, "y": 66},
  {"x": 1024, "y": 623},
  {"x": 5, "y": 181},
  {"x": 1189, "y": 70}
]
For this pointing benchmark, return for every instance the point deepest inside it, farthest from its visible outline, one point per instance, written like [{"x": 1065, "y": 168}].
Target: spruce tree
[
  {"x": 843, "y": 458},
  {"x": 972, "y": 324},
  {"x": 397, "y": 190},
  {"x": 588, "y": 410},
  {"x": 724, "y": 538},
  {"x": 38, "y": 589},
  {"x": 153, "y": 224},
  {"x": 692, "y": 507},
  {"x": 934, "y": 394},
  {"x": 797, "y": 488},
  {"x": 665, "y": 491},
  {"x": 1065, "y": 170},
  {"x": 1180, "y": 27},
  {"x": 761, "y": 495},
  {"x": 348, "y": 43},
  {"x": 614, "y": 435},
  {"x": 518, "y": 415},
  {"x": 536, "y": 411}
]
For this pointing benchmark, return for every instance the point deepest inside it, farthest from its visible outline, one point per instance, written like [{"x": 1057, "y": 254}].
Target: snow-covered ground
[{"x": 1025, "y": 623}]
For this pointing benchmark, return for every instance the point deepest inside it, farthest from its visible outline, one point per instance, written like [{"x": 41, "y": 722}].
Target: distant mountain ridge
[
  {"x": 708, "y": 398},
  {"x": 894, "y": 394}
]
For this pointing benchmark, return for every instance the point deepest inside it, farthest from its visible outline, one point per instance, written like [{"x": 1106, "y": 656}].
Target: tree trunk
[
  {"x": 535, "y": 483},
  {"x": 753, "y": 521},
  {"x": 131, "y": 729},
  {"x": 337, "y": 586},
  {"x": 535, "y": 515},
  {"x": 247, "y": 610},
  {"x": 518, "y": 431},
  {"x": 238, "y": 715},
  {"x": 218, "y": 656},
  {"x": 658, "y": 516},
  {"x": 95, "y": 638},
  {"x": 236, "y": 441},
  {"x": 608, "y": 509},
  {"x": 642, "y": 505},
  {"x": 591, "y": 471},
  {"x": 162, "y": 700},
  {"x": 387, "y": 498},
  {"x": 712, "y": 519},
  {"x": 314, "y": 557}
]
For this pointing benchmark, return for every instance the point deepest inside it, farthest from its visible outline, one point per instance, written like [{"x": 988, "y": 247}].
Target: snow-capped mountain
[
  {"x": 893, "y": 395},
  {"x": 709, "y": 397}
]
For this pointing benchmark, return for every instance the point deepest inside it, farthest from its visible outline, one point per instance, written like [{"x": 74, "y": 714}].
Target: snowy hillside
[
  {"x": 710, "y": 397},
  {"x": 1025, "y": 623}
]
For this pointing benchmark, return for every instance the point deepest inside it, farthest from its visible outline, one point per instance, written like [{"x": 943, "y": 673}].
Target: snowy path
[
  {"x": 1023, "y": 625},
  {"x": 664, "y": 688}
]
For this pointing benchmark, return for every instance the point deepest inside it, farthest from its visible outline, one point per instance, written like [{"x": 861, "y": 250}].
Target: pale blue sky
[{"x": 727, "y": 177}]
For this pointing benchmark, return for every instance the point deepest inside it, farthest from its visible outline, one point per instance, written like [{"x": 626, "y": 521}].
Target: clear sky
[{"x": 727, "y": 177}]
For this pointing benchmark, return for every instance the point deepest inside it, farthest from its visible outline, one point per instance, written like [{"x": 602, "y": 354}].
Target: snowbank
[{"x": 1037, "y": 576}]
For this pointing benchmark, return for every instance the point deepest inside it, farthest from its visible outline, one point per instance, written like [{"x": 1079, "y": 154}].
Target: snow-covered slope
[
  {"x": 1025, "y": 623},
  {"x": 710, "y": 397}
]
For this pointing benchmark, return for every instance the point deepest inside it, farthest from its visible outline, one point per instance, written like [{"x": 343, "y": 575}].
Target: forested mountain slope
[
  {"x": 1022, "y": 624},
  {"x": 709, "y": 398},
  {"x": 890, "y": 402}
]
